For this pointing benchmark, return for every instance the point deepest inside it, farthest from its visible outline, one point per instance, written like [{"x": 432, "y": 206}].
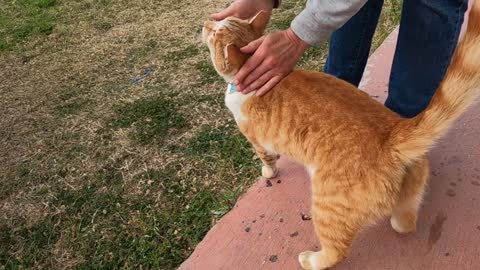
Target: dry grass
[{"x": 117, "y": 150}]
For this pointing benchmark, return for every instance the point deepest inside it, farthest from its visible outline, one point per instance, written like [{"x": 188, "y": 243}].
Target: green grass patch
[
  {"x": 24, "y": 176},
  {"x": 22, "y": 20},
  {"x": 30, "y": 244},
  {"x": 175, "y": 57},
  {"x": 152, "y": 119},
  {"x": 389, "y": 18},
  {"x": 282, "y": 22},
  {"x": 100, "y": 232},
  {"x": 283, "y": 16},
  {"x": 112, "y": 229},
  {"x": 194, "y": 222},
  {"x": 224, "y": 143},
  {"x": 315, "y": 54},
  {"x": 71, "y": 107},
  {"x": 187, "y": 212},
  {"x": 110, "y": 175},
  {"x": 141, "y": 53},
  {"x": 217, "y": 99},
  {"x": 208, "y": 74}
]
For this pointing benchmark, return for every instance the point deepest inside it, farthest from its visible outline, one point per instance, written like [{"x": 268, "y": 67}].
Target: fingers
[
  {"x": 222, "y": 14},
  {"x": 269, "y": 85},
  {"x": 252, "y": 46},
  {"x": 253, "y": 77},
  {"x": 253, "y": 69},
  {"x": 258, "y": 71},
  {"x": 251, "y": 64},
  {"x": 258, "y": 82}
]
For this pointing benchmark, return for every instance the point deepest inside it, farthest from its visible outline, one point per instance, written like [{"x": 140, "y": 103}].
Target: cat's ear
[
  {"x": 259, "y": 22},
  {"x": 233, "y": 56}
]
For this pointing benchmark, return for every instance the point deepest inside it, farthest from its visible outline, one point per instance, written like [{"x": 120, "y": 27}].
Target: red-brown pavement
[{"x": 265, "y": 230}]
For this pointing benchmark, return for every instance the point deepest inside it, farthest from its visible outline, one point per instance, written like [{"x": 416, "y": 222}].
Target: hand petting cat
[
  {"x": 274, "y": 55},
  {"x": 243, "y": 9}
]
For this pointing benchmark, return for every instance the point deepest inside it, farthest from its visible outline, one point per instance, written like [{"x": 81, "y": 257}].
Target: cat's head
[{"x": 225, "y": 38}]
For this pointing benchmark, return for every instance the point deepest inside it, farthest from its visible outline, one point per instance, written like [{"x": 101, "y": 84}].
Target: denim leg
[
  {"x": 350, "y": 45},
  {"x": 428, "y": 35}
]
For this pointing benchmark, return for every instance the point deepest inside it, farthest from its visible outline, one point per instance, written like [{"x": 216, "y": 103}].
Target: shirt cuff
[
  {"x": 320, "y": 18},
  {"x": 306, "y": 27}
]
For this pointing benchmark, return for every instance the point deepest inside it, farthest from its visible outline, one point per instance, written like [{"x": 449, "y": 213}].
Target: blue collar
[{"x": 231, "y": 88}]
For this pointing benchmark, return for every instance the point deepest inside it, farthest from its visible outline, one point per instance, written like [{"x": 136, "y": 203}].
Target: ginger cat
[{"x": 365, "y": 161}]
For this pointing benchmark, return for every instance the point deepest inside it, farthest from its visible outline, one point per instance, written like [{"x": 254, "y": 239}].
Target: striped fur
[{"x": 459, "y": 89}]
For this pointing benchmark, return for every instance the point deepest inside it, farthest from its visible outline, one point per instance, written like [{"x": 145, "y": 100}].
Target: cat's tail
[{"x": 412, "y": 138}]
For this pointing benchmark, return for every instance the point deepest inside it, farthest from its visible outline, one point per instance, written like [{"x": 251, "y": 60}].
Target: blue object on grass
[
  {"x": 147, "y": 72},
  {"x": 136, "y": 80}
]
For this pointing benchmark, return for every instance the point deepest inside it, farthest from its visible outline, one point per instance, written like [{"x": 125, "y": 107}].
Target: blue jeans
[{"x": 429, "y": 31}]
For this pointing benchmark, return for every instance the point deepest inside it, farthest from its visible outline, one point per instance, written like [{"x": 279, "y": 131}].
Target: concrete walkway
[{"x": 269, "y": 225}]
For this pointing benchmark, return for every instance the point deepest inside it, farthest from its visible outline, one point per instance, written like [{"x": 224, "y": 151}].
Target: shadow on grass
[{"x": 152, "y": 119}]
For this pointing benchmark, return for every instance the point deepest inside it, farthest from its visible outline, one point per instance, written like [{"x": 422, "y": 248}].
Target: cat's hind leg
[
  {"x": 405, "y": 212},
  {"x": 269, "y": 160}
]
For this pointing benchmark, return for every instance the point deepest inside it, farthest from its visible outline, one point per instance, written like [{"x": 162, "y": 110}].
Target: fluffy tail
[{"x": 412, "y": 138}]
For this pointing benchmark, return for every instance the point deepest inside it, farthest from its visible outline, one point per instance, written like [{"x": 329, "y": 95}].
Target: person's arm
[{"x": 321, "y": 17}]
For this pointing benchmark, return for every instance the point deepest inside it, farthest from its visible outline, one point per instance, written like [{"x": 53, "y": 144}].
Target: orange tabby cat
[{"x": 365, "y": 161}]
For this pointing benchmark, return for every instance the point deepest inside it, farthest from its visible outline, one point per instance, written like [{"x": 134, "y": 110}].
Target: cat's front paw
[
  {"x": 305, "y": 260},
  {"x": 269, "y": 172},
  {"x": 310, "y": 260}
]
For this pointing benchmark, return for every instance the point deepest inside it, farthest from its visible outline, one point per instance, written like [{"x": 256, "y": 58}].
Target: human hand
[
  {"x": 274, "y": 57},
  {"x": 244, "y": 9}
]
